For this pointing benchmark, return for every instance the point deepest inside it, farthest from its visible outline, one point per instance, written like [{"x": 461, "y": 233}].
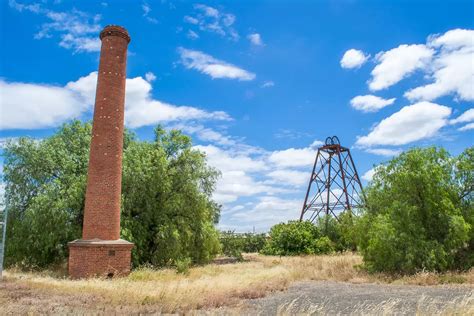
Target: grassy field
[{"x": 203, "y": 287}]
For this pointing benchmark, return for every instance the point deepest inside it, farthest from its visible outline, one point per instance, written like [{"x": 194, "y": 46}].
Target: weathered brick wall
[
  {"x": 102, "y": 208},
  {"x": 96, "y": 259}
]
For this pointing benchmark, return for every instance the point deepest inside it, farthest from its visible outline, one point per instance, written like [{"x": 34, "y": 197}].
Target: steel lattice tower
[{"x": 334, "y": 186}]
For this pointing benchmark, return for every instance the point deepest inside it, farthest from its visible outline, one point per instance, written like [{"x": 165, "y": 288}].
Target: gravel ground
[{"x": 337, "y": 298}]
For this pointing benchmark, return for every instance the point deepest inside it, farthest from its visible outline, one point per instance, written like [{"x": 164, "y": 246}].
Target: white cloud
[
  {"x": 237, "y": 169},
  {"x": 192, "y": 35},
  {"x": 384, "y": 151},
  {"x": 466, "y": 127},
  {"x": 146, "y": 11},
  {"x": 467, "y": 116},
  {"x": 293, "y": 157},
  {"x": 414, "y": 122},
  {"x": 255, "y": 39},
  {"x": 266, "y": 212},
  {"x": 370, "y": 103},
  {"x": 452, "y": 71},
  {"x": 292, "y": 177},
  {"x": 368, "y": 175},
  {"x": 353, "y": 58},
  {"x": 210, "y": 19},
  {"x": 206, "y": 134},
  {"x": 76, "y": 30},
  {"x": 208, "y": 11},
  {"x": 33, "y": 106},
  {"x": 141, "y": 109},
  {"x": 149, "y": 76},
  {"x": 398, "y": 63},
  {"x": 211, "y": 66},
  {"x": 226, "y": 160},
  {"x": 191, "y": 20},
  {"x": 268, "y": 84}
]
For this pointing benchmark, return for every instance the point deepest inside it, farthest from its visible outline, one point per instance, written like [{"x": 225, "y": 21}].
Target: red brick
[{"x": 89, "y": 256}]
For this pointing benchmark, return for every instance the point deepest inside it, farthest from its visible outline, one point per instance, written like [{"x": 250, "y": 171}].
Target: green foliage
[
  {"x": 167, "y": 210},
  {"x": 183, "y": 265},
  {"x": 419, "y": 213},
  {"x": 253, "y": 242},
  {"x": 340, "y": 232},
  {"x": 295, "y": 238},
  {"x": 233, "y": 245}
]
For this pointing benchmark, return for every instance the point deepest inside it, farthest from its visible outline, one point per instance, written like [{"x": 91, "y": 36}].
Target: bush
[
  {"x": 340, "y": 232},
  {"x": 296, "y": 238},
  {"x": 253, "y": 242},
  {"x": 233, "y": 245},
  {"x": 183, "y": 265},
  {"x": 416, "y": 217}
]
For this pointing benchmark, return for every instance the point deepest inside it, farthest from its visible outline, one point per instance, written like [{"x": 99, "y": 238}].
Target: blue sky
[{"x": 257, "y": 84}]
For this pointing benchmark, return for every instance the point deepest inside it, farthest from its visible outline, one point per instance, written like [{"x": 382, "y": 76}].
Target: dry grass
[{"x": 212, "y": 285}]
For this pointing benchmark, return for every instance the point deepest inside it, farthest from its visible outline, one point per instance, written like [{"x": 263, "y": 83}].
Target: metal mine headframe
[{"x": 334, "y": 186}]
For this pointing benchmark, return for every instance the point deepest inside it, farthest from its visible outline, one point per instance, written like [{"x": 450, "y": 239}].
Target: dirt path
[{"x": 336, "y": 298}]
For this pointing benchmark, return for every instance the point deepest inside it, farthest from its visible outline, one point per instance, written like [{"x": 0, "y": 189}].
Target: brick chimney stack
[{"x": 101, "y": 252}]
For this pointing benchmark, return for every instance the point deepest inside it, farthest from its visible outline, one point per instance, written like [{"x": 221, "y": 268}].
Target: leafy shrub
[
  {"x": 417, "y": 216},
  {"x": 233, "y": 245},
  {"x": 340, "y": 232},
  {"x": 323, "y": 245},
  {"x": 183, "y": 265},
  {"x": 295, "y": 238},
  {"x": 253, "y": 242}
]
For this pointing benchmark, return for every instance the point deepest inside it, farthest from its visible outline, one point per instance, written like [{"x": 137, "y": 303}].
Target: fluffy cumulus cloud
[
  {"x": 412, "y": 123},
  {"x": 292, "y": 177},
  {"x": 209, "y": 19},
  {"x": 33, "y": 106},
  {"x": 265, "y": 212},
  {"x": 255, "y": 39},
  {"x": 398, "y": 63},
  {"x": 353, "y": 58},
  {"x": 217, "y": 69},
  {"x": 293, "y": 157},
  {"x": 370, "y": 103},
  {"x": 452, "y": 71},
  {"x": 30, "y": 106},
  {"x": 75, "y": 30}
]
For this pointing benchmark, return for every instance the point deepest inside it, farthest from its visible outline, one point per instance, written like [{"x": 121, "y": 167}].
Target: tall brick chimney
[{"x": 101, "y": 252}]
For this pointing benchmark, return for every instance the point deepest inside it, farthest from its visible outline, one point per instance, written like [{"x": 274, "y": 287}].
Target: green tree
[
  {"x": 167, "y": 210},
  {"x": 295, "y": 238},
  {"x": 414, "y": 218}
]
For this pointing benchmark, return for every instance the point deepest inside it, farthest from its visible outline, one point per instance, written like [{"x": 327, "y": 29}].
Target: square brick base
[{"x": 99, "y": 258}]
